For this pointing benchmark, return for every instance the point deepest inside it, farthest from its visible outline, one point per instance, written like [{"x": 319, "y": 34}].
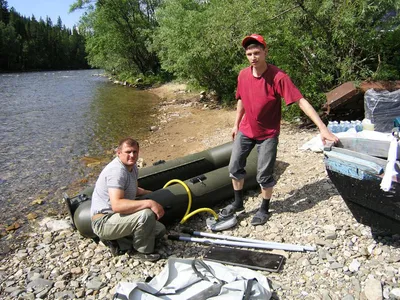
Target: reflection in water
[
  {"x": 119, "y": 112},
  {"x": 49, "y": 121}
]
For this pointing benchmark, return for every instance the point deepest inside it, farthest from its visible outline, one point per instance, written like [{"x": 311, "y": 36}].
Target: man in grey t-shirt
[{"x": 118, "y": 219}]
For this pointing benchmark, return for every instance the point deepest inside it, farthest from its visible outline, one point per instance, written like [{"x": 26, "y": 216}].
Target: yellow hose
[{"x": 187, "y": 214}]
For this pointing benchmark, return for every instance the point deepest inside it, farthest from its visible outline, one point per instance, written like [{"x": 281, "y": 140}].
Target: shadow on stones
[
  {"x": 305, "y": 197},
  {"x": 300, "y": 199},
  {"x": 280, "y": 167}
]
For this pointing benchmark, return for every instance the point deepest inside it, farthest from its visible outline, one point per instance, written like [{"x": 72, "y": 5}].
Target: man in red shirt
[{"x": 260, "y": 89}]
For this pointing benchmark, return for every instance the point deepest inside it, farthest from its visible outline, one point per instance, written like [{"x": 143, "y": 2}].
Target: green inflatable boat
[{"x": 196, "y": 181}]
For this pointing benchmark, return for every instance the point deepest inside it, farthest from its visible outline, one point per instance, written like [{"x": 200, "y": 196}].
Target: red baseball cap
[{"x": 254, "y": 37}]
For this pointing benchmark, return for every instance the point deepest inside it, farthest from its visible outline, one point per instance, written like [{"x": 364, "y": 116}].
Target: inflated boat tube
[
  {"x": 154, "y": 177},
  {"x": 207, "y": 190}
]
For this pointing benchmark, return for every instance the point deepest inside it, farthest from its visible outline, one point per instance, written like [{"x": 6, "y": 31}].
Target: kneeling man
[{"x": 119, "y": 220}]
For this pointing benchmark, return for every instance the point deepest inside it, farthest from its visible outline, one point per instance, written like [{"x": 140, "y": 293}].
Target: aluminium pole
[
  {"x": 235, "y": 243},
  {"x": 246, "y": 240}
]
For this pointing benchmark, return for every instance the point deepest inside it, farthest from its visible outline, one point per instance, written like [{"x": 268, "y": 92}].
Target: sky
[{"x": 51, "y": 8}]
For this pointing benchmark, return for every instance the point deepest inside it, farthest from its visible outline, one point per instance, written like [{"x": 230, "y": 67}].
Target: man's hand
[
  {"x": 326, "y": 135},
  {"x": 157, "y": 209},
  {"x": 234, "y": 132},
  {"x": 239, "y": 115}
]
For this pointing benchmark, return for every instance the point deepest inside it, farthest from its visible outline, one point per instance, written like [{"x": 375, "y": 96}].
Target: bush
[{"x": 320, "y": 44}]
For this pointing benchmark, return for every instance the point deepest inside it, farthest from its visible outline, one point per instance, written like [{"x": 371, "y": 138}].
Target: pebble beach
[{"x": 350, "y": 261}]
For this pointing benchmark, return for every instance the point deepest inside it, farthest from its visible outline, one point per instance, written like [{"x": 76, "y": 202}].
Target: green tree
[
  {"x": 4, "y": 13},
  {"x": 26, "y": 44},
  {"x": 119, "y": 34},
  {"x": 319, "y": 43},
  {"x": 8, "y": 46},
  {"x": 77, "y": 50},
  {"x": 200, "y": 40},
  {"x": 59, "y": 23}
]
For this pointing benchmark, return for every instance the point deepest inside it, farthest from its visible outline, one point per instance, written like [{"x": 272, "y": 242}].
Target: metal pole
[
  {"x": 246, "y": 240},
  {"x": 235, "y": 243}
]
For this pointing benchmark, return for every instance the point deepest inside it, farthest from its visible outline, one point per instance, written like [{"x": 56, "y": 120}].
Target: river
[{"x": 52, "y": 121}]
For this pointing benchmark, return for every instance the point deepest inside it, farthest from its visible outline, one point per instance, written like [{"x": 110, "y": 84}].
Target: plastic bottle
[
  {"x": 348, "y": 125},
  {"x": 367, "y": 125},
  {"x": 359, "y": 126},
  {"x": 330, "y": 126},
  {"x": 335, "y": 127},
  {"x": 344, "y": 125}
]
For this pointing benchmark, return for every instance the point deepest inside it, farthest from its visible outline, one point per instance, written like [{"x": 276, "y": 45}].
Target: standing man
[
  {"x": 260, "y": 88},
  {"x": 120, "y": 221}
]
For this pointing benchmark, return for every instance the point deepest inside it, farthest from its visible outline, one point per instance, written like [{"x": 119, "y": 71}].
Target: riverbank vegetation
[
  {"x": 321, "y": 44},
  {"x": 29, "y": 44}
]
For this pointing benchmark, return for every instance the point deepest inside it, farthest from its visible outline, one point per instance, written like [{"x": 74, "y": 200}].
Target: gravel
[{"x": 350, "y": 261}]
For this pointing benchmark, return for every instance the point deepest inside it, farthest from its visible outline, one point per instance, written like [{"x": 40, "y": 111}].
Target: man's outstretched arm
[{"x": 306, "y": 107}]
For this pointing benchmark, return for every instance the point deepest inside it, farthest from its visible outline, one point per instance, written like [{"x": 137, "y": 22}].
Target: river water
[{"x": 51, "y": 121}]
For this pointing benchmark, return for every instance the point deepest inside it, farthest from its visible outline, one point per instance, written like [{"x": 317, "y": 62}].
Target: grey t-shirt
[{"x": 114, "y": 175}]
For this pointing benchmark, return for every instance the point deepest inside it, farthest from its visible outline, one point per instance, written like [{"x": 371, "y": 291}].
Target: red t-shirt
[{"x": 261, "y": 97}]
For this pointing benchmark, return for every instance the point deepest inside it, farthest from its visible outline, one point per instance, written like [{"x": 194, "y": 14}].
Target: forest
[
  {"x": 28, "y": 44},
  {"x": 319, "y": 43}
]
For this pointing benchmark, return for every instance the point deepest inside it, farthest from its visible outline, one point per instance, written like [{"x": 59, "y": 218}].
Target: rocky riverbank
[{"x": 350, "y": 262}]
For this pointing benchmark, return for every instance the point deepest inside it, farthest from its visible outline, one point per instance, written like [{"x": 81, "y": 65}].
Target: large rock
[
  {"x": 373, "y": 289},
  {"x": 55, "y": 225}
]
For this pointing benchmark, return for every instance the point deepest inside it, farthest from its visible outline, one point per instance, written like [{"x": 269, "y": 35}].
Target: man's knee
[
  {"x": 146, "y": 216},
  {"x": 236, "y": 169},
  {"x": 267, "y": 184}
]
